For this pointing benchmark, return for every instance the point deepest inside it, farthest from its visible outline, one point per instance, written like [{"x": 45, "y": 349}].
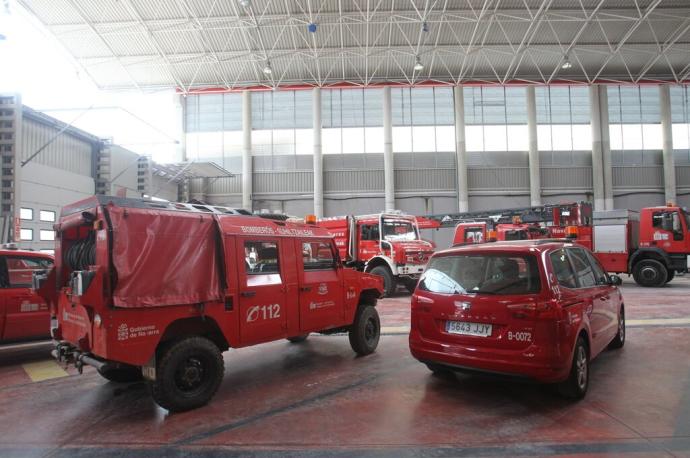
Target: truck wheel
[
  {"x": 188, "y": 374},
  {"x": 365, "y": 331},
  {"x": 575, "y": 386},
  {"x": 650, "y": 273},
  {"x": 671, "y": 274},
  {"x": 298, "y": 339},
  {"x": 388, "y": 280},
  {"x": 122, "y": 374},
  {"x": 619, "y": 340}
]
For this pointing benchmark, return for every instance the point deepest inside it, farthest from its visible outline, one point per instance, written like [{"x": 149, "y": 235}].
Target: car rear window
[{"x": 482, "y": 274}]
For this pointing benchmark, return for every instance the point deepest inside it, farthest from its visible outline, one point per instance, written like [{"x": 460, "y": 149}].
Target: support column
[
  {"x": 318, "y": 158},
  {"x": 461, "y": 150},
  {"x": 667, "y": 138},
  {"x": 534, "y": 168},
  {"x": 606, "y": 147},
  {"x": 597, "y": 160},
  {"x": 388, "y": 166},
  {"x": 247, "y": 169}
]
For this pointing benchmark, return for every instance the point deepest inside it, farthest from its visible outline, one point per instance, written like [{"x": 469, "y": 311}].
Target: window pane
[
  {"x": 304, "y": 141},
  {"x": 562, "y": 269},
  {"x": 423, "y": 139},
  {"x": 26, "y": 213},
  {"x": 330, "y": 141},
  {"x": 283, "y": 141},
  {"x": 582, "y": 137},
  {"x": 474, "y": 138},
  {"x": 46, "y": 215},
  {"x": 317, "y": 256},
  {"x": 47, "y": 235},
  {"x": 681, "y": 136},
  {"x": 26, "y": 234},
  {"x": 584, "y": 271},
  {"x": 495, "y": 138},
  {"x": 445, "y": 138},
  {"x": 20, "y": 270},
  {"x": 518, "y": 138},
  {"x": 632, "y": 136},
  {"x": 544, "y": 137},
  {"x": 373, "y": 137},
  {"x": 402, "y": 139},
  {"x": 616, "y": 136},
  {"x": 353, "y": 140},
  {"x": 261, "y": 258},
  {"x": 561, "y": 137},
  {"x": 651, "y": 136},
  {"x": 262, "y": 142}
]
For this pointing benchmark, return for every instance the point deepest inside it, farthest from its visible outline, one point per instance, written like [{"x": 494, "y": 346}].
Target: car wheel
[
  {"x": 439, "y": 370},
  {"x": 122, "y": 374},
  {"x": 388, "y": 280},
  {"x": 650, "y": 273},
  {"x": 365, "y": 331},
  {"x": 575, "y": 386},
  {"x": 298, "y": 339},
  {"x": 188, "y": 374},
  {"x": 619, "y": 340}
]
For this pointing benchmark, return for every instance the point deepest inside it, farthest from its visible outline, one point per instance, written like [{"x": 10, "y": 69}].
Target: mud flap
[{"x": 148, "y": 370}]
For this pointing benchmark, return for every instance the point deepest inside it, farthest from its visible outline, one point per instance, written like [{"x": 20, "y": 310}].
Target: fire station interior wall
[
  {"x": 65, "y": 152},
  {"x": 123, "y": 171},
  {"x": 48, "y": 188}
]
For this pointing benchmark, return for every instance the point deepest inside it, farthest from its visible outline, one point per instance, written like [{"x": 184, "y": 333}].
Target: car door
[
  {"x": 26, "y": 314},
  {"x": 262, "y": 291},
  {"x": 597, "y": 296},
  {"x": 320, "y": 286},
  {"x": 610, "y": 294}
]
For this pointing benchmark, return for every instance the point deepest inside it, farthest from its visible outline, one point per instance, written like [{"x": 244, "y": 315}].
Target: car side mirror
[{"x": 615, "y": 280}]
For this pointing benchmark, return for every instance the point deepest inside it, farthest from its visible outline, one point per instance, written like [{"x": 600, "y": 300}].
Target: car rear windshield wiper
[{"x": 481, "y": 291}]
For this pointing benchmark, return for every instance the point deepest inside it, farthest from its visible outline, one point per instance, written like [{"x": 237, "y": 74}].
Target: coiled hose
[{"x": 82, "y": 254}]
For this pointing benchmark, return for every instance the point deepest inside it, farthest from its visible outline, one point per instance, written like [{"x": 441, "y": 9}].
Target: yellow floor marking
[
  {"x": 394, "y": 329},
  {"x": 44, "y": 370},
  {"x": 659, "y": 321}
]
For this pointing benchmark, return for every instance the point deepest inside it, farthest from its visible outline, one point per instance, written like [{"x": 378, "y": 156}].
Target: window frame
[
  {"x": 248, "y": 272},
  {"x": 22, "y": 239},
  {"x": 26, "y": 219},
  {"x": 42, "y": 231},
  {"x": 331, "y": 248},
  {"x": 52, "y": 212}
]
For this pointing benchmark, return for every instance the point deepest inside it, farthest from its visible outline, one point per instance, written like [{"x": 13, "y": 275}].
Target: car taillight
[{"x": 421, "y": 303}]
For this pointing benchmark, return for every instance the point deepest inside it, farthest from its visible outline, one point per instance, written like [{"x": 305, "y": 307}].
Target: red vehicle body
[
  {"x": 652, "y": 245},
  {"x": 539, "y": 310},
  {"x": 24, "y": 315},
  {"x": 161, "y": 289},
  {"x": 385, "y": 244}
]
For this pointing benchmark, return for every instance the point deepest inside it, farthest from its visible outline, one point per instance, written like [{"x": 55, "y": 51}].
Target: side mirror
[{"x": 615, "y": 280}]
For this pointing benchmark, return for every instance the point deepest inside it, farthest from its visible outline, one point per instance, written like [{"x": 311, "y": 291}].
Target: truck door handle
[
  {"x": 305, "y": 288},
  {"x": 248, "y": 293}
]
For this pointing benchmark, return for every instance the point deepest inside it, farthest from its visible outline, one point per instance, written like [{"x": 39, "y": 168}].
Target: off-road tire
[
  {"x": 619, "y": 340},
  {"x": 575, "y": 387},
  {"x": 180, "y": 364},
  {"x": 388, "y": 280},
  {"x": 650, "y": 273},
  {"x": 298, "y": 339},
  {"x": 365, "y": 331},
  {"x": 122, "y": 374}
]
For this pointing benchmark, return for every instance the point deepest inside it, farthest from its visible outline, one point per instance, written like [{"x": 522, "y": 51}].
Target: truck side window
[
  {"x": 474, "y": 235},
  {"x": 317, "y": 256},
  {"x": 583, "y": 268},
  {"x": 563, "y": 270},
  {"x": 261, "y": 258},
  {"x": 370, "y": 232}
]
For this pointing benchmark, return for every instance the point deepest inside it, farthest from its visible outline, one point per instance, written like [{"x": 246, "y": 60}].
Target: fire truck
[
  {"x": 385, "y": 244},
  {"x": 159, "y": 290},
  {"x": 652, "y": 245}
]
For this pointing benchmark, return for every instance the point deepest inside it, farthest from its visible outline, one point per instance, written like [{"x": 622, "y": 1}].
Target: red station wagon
[{"x": 539, "y": 310}]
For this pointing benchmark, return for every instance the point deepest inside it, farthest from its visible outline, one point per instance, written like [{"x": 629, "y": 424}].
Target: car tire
[
  {"x": 126, "y": 374},
  {"x": 298, "y": 339},
  {"x": 619, "y": 340},
  {"x": 365, "y": 331},
  {"x": 575, "y": 386},
  {"x": 650, "y": 273},
  {"x": 388, "y": 280},
  {"x": 188, "y": 374},
  {"x": 439, "y": 370}
]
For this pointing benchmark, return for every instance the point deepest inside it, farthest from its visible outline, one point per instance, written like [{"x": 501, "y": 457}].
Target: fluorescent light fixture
[
  {"x": 418, "y": 66},
  {"x": 267, "y": 69},
  {"x": 566, "y": 64},
  {"x": 245, "y": 3}
]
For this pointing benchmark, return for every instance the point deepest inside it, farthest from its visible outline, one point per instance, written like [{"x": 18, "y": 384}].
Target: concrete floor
[{"x": 317, "y": 399}]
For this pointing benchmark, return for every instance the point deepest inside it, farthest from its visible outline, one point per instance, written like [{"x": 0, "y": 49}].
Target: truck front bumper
[
  {"x": 66, "y": 353},
  {"x": 411, "y": 270}
]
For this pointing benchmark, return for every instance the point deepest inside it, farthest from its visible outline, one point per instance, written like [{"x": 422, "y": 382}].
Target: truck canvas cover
[{"x": 164, "y": 257}]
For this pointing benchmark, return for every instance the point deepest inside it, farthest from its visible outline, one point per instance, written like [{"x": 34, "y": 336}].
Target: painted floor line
[{"x": 44, "y": 370}]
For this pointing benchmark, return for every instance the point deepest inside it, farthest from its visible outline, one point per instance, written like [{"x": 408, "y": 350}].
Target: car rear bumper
[{"x": 524, "y": 363}]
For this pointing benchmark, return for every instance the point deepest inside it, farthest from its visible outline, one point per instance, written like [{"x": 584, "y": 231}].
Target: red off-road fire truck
[
  {"x": 652, "y": 245},
  {"x": 384, "y": 244},
  {"x": 159, "y": 290}
]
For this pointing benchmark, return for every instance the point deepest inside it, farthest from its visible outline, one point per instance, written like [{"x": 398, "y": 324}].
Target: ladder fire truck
[
  {"x": 652, "y": 245},
  {"x": 386, "y": 244}
]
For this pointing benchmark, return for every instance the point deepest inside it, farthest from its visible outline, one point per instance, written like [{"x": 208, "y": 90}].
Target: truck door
[
  {"x": 262, "y": 291},
  {"x": 369, "y": 240},
  {"x": 667, "y": 231},
  {"x": 321, "y": 301},
  {"x": 26, "y": 314}
]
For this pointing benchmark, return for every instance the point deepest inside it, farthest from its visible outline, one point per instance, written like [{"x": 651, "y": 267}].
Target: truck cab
[
  {"x": 666, "y": 231},
  {"x": 24, "y": 315},
  {"x": 160, "y": 290}
]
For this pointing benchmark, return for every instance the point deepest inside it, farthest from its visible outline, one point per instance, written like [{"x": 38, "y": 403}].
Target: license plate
[{"x": 468, "y": 329}]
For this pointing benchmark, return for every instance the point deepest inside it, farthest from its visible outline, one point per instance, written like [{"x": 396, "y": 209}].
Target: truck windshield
[
  {"x": 398, "y": 229},
  {"x": 482, "y": 274}
]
